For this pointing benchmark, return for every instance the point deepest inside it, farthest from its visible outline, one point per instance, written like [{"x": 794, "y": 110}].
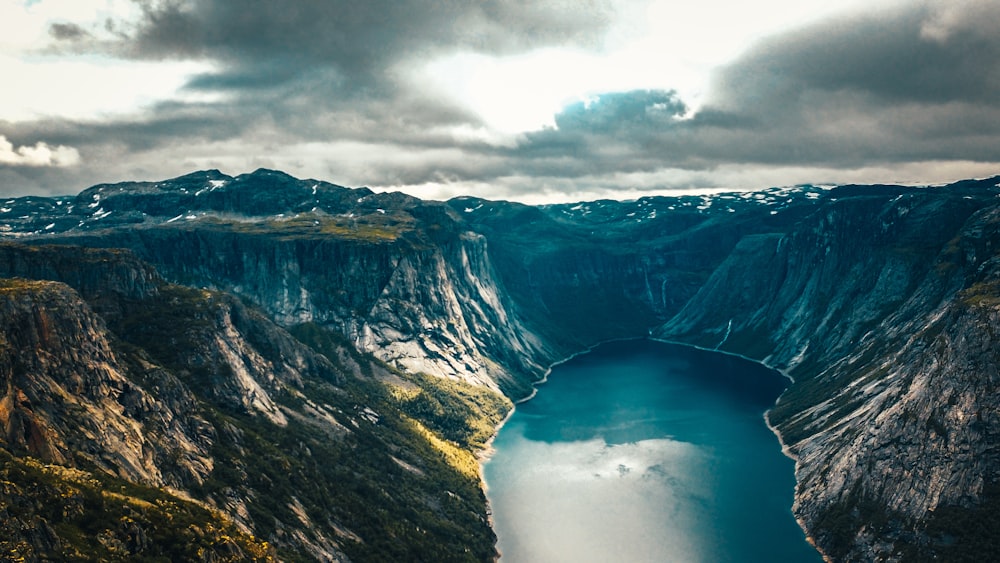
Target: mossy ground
[
  {"x": 57, "y": 513},
  {"x": 375, "y": 227}
]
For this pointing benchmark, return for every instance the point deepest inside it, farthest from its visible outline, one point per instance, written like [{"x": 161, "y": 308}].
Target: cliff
[
  {"x": 248, "y": 432},
  {"x": 402, "y": 279},
  {"x": 887, "y": 325},
  {"x": 66, "y": 395}
]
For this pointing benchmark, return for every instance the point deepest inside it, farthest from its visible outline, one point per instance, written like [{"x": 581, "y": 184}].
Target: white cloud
[
  {"x": 41, "y": 154},
  {"x": 24, "y": 26},
  {"x": 956, "y": 17},
  {"x": 41, "y": 83},
  {"x": 658, "y": 44},
  {"x": 90, "y": 87}
]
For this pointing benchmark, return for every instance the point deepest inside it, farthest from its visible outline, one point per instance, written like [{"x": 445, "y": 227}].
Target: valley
[{"x": 319, "y": 366}]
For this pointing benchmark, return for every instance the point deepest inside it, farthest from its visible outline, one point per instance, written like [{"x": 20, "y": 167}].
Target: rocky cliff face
[
  {"x": 402, "y": 279},
  {"x": 67, "y": 397},
  {"x": 71, "y": 402},
  {"x": 191, "y": 391},
  {"x": 887, "y": 326}
]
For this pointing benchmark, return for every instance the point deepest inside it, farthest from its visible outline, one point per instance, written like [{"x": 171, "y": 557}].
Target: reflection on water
[{"x": 643, "y": 451}]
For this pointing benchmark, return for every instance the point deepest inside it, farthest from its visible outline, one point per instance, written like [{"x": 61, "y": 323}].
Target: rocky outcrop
[
  {"x": 443, "y": 313},
  {"x": 101, "y": 276},
  {"x": 67, "y": 397}
]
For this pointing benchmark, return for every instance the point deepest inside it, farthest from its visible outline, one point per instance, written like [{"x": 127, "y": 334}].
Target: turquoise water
[{"x": 643, "y": 451}]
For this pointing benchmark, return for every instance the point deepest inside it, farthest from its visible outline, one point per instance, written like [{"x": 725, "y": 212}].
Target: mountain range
[{"x": 261, "y": 367}]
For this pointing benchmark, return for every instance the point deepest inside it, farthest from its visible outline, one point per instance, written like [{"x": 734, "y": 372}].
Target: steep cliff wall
[
  {"x": 424, "y": 306},
  {"x": 403, "y": 279},
  {"x": 67, "y": 397},
  {"x": 886, "y": 325},
  {"x": 326, "y": 455}
]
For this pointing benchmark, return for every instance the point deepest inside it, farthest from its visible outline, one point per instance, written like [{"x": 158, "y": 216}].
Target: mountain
[
  {"x": 292, "y": 315},
  {"x": 207, "y": 416}
]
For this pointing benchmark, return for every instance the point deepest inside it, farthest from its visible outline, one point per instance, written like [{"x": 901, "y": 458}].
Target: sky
[{"x": 528, "y": 100}]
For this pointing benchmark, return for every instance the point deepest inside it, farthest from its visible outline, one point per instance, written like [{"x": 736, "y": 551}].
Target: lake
[{"x": 644, "y": 451}]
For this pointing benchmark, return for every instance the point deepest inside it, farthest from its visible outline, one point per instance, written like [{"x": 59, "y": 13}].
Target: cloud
[
  {"x": 308, "y": 71},
  {"x": 41, "y": 154},
  {"x": 356, "y": 44},
  {"x": 891, "y": 56},
  {"x": 618, "y": 111},
  {"x": 872, "y": 88},
  {"x": 326, "y": 89},
  {"x": 861, "y": 92},
  {"x": 945, "y": 19},
  {"x": 68, "y": 32}
]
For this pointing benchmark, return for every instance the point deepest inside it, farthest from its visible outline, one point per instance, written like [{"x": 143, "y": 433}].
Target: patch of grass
[
  {"x": 460, "y": 459},
  {"x": 462, "y": 413},
  {"x": 981, "y": 295},
  {"x": 375, "y": 227},
  {"x": 58, "y": 513},
  {"x": 19, "y": 286}
]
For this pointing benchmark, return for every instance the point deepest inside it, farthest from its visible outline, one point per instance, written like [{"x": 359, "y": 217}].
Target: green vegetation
[
  {"x": 981, "y": 295},
  {"x": 963, "y": 534},
  {"x": 459, "y": 412},
  {"x": 333, "y": 345},
  {"x": 57, "y": 513},
  {"x": 950, "y": 533},
  {"x": 373, "y": 227},
  {"x": 18, "y": 286},
  {"x": 382, "y": 483},
  {"x": 839, "y": 523}
]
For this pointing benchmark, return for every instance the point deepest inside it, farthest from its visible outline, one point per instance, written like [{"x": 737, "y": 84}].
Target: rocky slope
[
  {"x": 322, "y": 455},
  {"x": 881, "y": 302},
  {"x": 400, "y": 278},
  {"x": 882, "y": 307}
]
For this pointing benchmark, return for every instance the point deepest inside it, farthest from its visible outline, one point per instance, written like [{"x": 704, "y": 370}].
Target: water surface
[{"x": 644, "y": 451}]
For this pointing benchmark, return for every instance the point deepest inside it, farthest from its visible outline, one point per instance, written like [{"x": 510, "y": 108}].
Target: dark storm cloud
[
  {"x": 308, "y": 70},
  {"x": 68, "y": 32},
  {"x": 906, "y": 56},
  {"x": 306, "y": 64},
  {"x": 289, "y": 73},
  {"x": 916, "y": 83},
  {"x": 353, "y": 33},
  {"x": 357, "y": 41},
  {"x": 919, "y": 83}
]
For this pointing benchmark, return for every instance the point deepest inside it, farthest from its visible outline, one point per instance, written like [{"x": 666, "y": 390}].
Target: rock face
[
  {"x": 67, "y": 395},
  {"x": 888, "y": 327},
  {"x": 190, "y": 391},
  {"x": 401, "y": 278},
  {"x": 881, "y": 302}
]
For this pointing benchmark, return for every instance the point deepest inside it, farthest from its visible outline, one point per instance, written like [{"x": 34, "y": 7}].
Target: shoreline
[
  {"x": 484, "y": 455},
  {"x": 488, "y": 450},
  {"x": 785, "y": 449}
]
